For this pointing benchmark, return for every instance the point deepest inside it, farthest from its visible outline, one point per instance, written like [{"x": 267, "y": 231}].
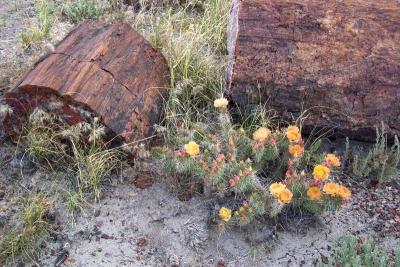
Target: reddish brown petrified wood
[
  {"x": 340, "y": 60},
  {"x": 109, "y": 69}
]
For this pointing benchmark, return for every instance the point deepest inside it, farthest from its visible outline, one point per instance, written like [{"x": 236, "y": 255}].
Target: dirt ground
[{"x": 152, "y": 227}]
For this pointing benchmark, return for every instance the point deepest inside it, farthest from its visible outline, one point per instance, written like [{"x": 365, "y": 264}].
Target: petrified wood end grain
[{"x": 340, "y": 60}]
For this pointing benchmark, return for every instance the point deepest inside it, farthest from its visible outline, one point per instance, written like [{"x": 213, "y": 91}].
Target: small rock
[
  {"x": 221, "y": 263},
  {"x": 3, "y": 218},
  {"x": 23, "y": 162},
  {"x": 96, "y": 230},
  {"x": 142, "y": 241},
  {"x": 97, "y": 213},
  {"x": 105, "y": 236},
  {"x": 62, "y": 257},
  {"x": 144, "y": 180},
  {"x": 174, "y": 260},
  {"x": 134, "y": 228}
]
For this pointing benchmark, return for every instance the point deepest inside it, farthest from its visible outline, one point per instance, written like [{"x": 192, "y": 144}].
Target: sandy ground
[{"x": 151, "y": 227}]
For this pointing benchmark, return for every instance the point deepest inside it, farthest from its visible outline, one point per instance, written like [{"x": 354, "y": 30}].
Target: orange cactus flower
[
  {"x": 293, "y": 134},
  {"x": 285, "y": 196},
  {"x": 344, "y": 193},
  {"x": 296, "y": 150},
  {"x": 314, "y": 193},
  {"x": 332, "y": 160},
  {"x": 331, "y": 189}
]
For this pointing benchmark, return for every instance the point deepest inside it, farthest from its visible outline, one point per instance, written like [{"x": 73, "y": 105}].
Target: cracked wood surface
[
  {"x": 338, "y": 59},
  {"x": 109, "y": 69}
]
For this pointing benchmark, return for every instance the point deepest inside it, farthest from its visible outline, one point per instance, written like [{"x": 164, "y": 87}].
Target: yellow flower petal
[
  {"x": 276, "y": 188},
  {"x": 192, "y": 148},
  {"x": 221, "y": 103},
  {"x": 225, "y": 214},
  {"x": 321, "y": 172},
  {"x": 261, "y": 134}
]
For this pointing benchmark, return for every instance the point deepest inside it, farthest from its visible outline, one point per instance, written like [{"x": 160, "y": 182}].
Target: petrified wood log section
[
  {"x": 338, "y": 59},
  {"x": 109, "y": 69}
]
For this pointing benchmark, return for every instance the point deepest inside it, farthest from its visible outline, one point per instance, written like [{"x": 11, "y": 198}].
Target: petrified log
[
  {"x": 340, "y": 60},
  {"x": 109, "y": 69}
]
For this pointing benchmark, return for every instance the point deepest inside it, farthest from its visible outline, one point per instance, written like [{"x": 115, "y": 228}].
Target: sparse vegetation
[
  {"x": 80, "y": 10},
  {"x": 35, "y": 228},
  {"x": 39, "y": 31},
  {"x": 351, "y": 251},
  {"x": 381, "y": 163}
]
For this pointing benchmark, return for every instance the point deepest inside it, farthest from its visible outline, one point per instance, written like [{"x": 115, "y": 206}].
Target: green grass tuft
[
  {"x": 40, "y": 31},
  {"x": 80, "y": 10},
  {"x": 33, "y": 232}
]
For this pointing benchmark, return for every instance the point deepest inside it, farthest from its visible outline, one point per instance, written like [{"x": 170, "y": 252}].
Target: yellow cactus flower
[
  {"x": 225, "y": 214},
  {"x": 261, "y": 134},
  {"x": 276, "y": 188},
  {"x": 321, "y": 172},
  {"x": 332, "y": 160},
  {"x": 314, "y": 193},
  {"x": 221, "y": 103},
  {"x": 285, "y": 196},
  {"x": 293, "y": 134},
  {"x": 192, "y": 148},
  {"x": 296, "y": 150}
]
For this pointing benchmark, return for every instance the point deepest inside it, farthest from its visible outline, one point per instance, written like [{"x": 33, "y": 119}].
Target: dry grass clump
[
  {"x": 79, "y": 150},
  {"x": 381, "y": 163},
  {"x": 193, "y": 41},
  {"x": 33, "y": 231},
  {"x": 92, "y": 165}
]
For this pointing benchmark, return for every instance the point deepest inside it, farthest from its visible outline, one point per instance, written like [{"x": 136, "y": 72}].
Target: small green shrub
[
  {"x": 80, "y": 10},
  {"x": 381, "y": 162},
  {"x": 351, "y": 251},
  {"x": 2, "y": 21},
  {"x": 40, "y": 31},
  {"x": 33, "y": 232}
]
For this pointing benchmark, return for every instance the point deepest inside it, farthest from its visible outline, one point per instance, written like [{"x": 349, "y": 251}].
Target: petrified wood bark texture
[
  {"x": 109, "y": 69},
  {"x": 338, "y": 59}
]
